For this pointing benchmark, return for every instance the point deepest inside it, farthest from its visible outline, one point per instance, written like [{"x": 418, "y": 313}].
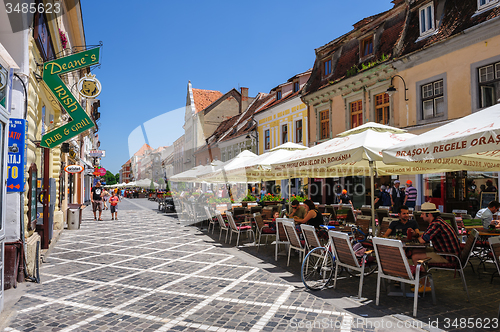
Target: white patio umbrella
[
  {"x": 220, "y": 175},
  {"x": 469, "y": 143},
  {"x": 353, "y": 152},
  {"x": 186, "y": 176}
]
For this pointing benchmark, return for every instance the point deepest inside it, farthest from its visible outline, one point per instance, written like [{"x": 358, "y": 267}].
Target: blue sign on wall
[{"x": 16, "y": 155}]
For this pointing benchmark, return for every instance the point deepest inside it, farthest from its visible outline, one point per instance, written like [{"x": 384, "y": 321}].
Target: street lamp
[{"x": 390, "y": 91}]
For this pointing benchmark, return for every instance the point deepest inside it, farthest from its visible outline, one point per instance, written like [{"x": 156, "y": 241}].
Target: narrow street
[{"x": 146, "y": 272}]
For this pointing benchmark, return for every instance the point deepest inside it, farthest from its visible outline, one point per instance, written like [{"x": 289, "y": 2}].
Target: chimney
[{"x": 244, "y": 94}]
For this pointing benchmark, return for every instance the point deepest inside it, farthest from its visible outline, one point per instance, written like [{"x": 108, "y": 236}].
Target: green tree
[
  {"x": 109, "y": 178},
  {"x": 117, "y": 178}
]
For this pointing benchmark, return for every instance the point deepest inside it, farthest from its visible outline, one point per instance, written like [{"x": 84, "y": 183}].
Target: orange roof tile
[
  {"x": 143, "y": 149},
  {"x": 203, "y": 98}
]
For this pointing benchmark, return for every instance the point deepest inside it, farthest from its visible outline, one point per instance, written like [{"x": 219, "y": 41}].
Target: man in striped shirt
[{"x": 411, "y": 195}]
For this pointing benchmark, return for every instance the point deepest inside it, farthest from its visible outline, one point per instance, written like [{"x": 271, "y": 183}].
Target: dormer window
[
  {"x": 296, "y": 86},
  {"x": 367, "y": 47},
  {"x": 426, "y": 19},
  {"x": 485, "y": 4},
  {"x": 327, "y": 67},
  {"x": 278, "y": 94}
]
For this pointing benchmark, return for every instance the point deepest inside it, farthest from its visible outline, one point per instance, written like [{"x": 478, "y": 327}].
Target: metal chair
[
  {"x": 461, "y": 262},
  {"x": 222, "y": 224},
  {"x": 262, "y": 229},
  {"x": 237, "y": 229},
  {"x": 393, "y": 265},
  {"x": 211, "y": 220},
  {"x": 495, "y": 251},
  {"x": 310, "y": 237},
  {"x": 293, "y": 239},
  {"x": 346, "y": 257},
  {"x": 281, "y": 237}
]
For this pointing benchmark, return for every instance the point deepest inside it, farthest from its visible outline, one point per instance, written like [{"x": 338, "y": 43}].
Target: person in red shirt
[{"x": 113, "y": 201}]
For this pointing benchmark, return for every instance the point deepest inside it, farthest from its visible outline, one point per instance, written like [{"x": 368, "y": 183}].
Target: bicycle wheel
[{"x": 317, "y": 268}]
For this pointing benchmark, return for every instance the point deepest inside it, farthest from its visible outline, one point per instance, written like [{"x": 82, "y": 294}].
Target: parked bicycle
[{"x": 318, "y": 266}]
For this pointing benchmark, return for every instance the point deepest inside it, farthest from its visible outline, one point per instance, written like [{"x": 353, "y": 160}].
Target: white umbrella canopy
[
  {"x": 220, "y": 175},
  {"x": 259, "y": 168},
  {"x": 469, "y": 143},
  {"x": 348, "y": 155},
  {"x": 186, "y": 176}
]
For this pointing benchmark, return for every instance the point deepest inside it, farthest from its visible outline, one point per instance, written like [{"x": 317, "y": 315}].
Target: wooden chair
[
  {"x": 262, "y": 229},
  {"x": 238, "y": 210},
  {"x": 222, "y": 224},
  {"x": 329, "y": 209},
  {"x": 238, "y": 229},
  {"x": 495, "y": 251},
  {"x": 293, "y": 239},
  {"x": 281, "y": 237},
  {"x": 461, "y": 262},
  {"x": 311, "y": 238},
  {"x": 364, "y": 223},
  {"x": 381, "y": 213},
  {"x": 393, "y": 265},
  {"x": 255, "y": 209},
  {"x": 366, "y": 211},
  {"x": 211, "y": 220},
  {"x": 346, "y": 257},
  {"x": 267, "y": 212}
]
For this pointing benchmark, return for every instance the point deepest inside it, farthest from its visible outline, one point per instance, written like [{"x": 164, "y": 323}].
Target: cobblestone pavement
[
  {"x": 145, "y": 272},
  {"x": 148, "y": 272}
]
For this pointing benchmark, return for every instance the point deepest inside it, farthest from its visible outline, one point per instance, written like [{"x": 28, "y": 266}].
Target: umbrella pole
[
  {"x": 372, "y": 198},
  {"x": 289, "y": 193}
]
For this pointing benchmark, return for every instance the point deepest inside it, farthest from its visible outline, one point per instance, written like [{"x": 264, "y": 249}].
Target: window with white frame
[
  {"x": 489, "y": 84},
  {"x": 426, "y": 17},
  {"x": 433, "y": 99},
  {"x": 484, "y": 4}
]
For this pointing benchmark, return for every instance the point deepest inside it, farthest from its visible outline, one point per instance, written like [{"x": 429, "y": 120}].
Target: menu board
[{"x": 486, "y": 198}]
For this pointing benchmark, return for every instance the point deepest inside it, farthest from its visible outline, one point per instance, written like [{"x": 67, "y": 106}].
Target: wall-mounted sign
[
  {"x": 89, "y": 87},
  {"x": 74, "y": 169},
  {"x": 102, "y": 171},
  {"x": 97, "y": 153},
  {"x": 81, "y": 121},
  {"x": 15, "y": 161}
]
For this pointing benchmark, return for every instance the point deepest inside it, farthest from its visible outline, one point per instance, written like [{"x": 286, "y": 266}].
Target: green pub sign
[{"x": 80, "y": 120}]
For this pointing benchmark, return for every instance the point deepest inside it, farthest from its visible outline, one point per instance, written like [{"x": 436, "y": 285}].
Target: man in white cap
[{"x": 442, "y": 235}]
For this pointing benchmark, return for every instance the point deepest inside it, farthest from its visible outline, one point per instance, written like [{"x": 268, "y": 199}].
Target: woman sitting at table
[{"x": 313, "y": 217}]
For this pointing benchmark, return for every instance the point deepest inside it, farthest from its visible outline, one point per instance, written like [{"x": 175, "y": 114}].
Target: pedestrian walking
[
  {"x": 113, "y": 202},
  {"x": 105, "y": 196},
  {"x": 411, "y": 195},
  {"x": 97, "y": 200}
]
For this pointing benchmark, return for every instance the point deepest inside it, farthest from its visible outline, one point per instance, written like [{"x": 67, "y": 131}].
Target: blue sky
[{"x": 153, "y": 48}]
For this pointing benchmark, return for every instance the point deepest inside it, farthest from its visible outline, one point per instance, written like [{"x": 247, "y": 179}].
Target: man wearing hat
[
  {"x": 411, "y": 195},
  {"x": 442, "y": 235},
  {"x": 397, "y": 197},
  {"x": 344, "y": 198}
]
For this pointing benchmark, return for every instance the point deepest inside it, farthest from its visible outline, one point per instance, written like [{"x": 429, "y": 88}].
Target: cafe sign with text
[{"x": 80, "y": 120}]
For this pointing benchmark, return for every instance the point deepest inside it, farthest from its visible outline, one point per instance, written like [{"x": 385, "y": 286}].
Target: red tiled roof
[
  {"x": 203, "y": 98},
  {"x": 457, "y": 17},
  {"x": 142, "y": 150}
]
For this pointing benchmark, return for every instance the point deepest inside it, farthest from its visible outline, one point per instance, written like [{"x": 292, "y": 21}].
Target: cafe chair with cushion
[
  {"x": 460, "y": 262},
  {"x": 293, "y": 239},
  {"x": 238, "y": 210},
  {"x": 222, "y": 224},
  {"x": 281, "y": 237},
  {"x": 495, "y": 252},
  {"x": 393, "y": 265},
  {"x": 238, "y": 229},
  {"x": 346, "y": 257},
  {"x": 211, "y": 220},
  {"x": 262, "y": 229}
]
